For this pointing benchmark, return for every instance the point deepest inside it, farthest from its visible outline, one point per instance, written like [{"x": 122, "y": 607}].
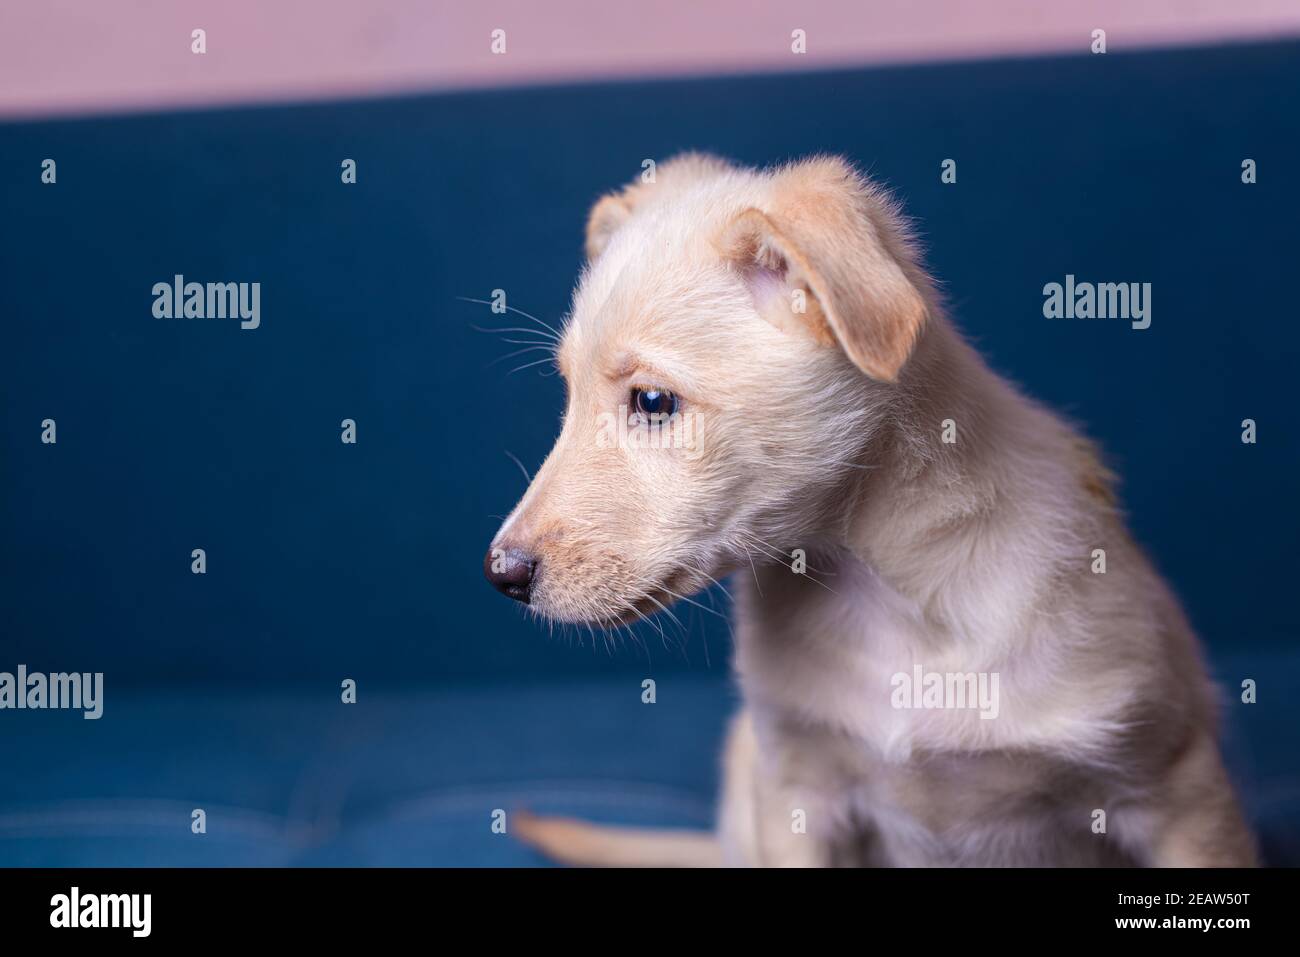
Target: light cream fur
[{"x": 822, "y": 432}]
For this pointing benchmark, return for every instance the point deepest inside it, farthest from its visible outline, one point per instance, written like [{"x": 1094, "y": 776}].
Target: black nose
[{"x": 510, "y": 570}]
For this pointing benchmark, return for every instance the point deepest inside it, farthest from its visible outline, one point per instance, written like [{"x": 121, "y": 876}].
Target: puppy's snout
[{"x": 511, "y": 571}]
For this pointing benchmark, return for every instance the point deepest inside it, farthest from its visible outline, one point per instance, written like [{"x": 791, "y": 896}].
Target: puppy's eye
[{"x": 654, "y": 402}]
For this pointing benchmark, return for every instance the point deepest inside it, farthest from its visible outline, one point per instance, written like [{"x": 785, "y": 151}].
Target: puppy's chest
[
  {"x": 870, "y": 672},
  {"x": 941, "y": 749},
  {"x": 875, "y": 721}
]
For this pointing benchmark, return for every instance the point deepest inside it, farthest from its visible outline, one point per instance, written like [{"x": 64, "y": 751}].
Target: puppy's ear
[
  {"x": 609, "y": 213},
  {"x": 671, "y": 176},
  {"x": 828, "y": 234}
]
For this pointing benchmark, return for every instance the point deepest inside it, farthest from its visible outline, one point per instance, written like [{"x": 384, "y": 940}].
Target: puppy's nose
[{"x": 510, "y": 570}]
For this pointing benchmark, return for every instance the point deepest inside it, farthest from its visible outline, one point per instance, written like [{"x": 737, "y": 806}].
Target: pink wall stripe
[{"x": 62, "y": 56}]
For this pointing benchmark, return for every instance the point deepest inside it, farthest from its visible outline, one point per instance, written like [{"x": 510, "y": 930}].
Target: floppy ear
[
  {"x": 673, "y": 175},
  {"x": 828, "y": 234},
  {"x": 609, "y": 213}
]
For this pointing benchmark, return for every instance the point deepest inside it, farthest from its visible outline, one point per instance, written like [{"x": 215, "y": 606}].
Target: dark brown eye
[{"x": 653, "y": 402}]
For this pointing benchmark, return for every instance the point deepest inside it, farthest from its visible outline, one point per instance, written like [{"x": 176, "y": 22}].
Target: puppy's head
[{"x": 734, "y": 343}]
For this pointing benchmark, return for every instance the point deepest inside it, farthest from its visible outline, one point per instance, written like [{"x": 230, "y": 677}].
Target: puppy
[{"x": 937, "y": 665}]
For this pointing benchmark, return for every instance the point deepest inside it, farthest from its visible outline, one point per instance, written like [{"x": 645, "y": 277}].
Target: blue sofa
[{"x": 328, "y": 562}]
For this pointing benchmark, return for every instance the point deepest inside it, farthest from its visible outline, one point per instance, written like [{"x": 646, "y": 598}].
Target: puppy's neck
[{"x": 972, "y": 506}]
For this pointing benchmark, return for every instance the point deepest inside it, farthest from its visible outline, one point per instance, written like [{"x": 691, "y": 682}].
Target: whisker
[
  {"x": 692, "y": 601},
  {"x": 752, "y": 568},
  {"x": 529, "y": 365},
  {"x": 782, "y": 555},
  {"x": 650, "y": 621},
  {"x": 488, "y": 302},
  {"x": 519, "y": 352},
  {"x": 540, "y": 322},
  {"x": 664, "y": 608},
  {"x": 530, "y": 342},
  {"x": 527, "y": 478},
  {"x": 635, "y": 639},
  {"x": 526, "y": 330},
  {"x": 785, "y": 560},
  {"x": 716, "y": 582}
]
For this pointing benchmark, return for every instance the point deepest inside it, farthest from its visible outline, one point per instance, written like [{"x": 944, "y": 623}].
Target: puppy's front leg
[
  {"x": 763, "y": 823},
  {"x": 1198, "y": 820}
]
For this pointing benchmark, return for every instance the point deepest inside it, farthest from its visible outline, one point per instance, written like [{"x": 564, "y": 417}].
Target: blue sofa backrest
[{"x": 325, "y": 559}]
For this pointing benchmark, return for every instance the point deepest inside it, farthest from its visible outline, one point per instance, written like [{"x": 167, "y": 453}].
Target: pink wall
[{"x": 60, "y": 56}]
